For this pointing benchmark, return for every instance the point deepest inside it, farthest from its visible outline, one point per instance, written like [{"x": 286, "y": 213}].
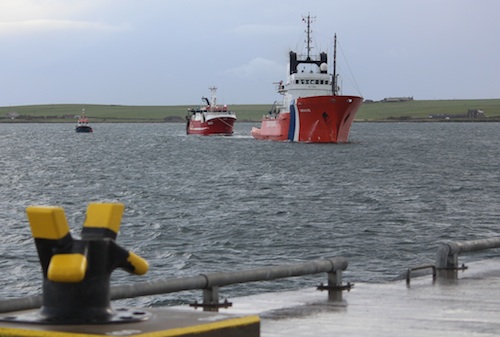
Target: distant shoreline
[
  {"x": 390, "y": 111},
  {"x": 36, "y": 121}
]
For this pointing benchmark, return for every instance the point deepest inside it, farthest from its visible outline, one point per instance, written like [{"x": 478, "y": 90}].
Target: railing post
[
  {"x": 447, "y": 261},
  {"x": 211, "y": 299},
  {"x": 335, "y": 285},
  {"x": 447, "y": 256}
]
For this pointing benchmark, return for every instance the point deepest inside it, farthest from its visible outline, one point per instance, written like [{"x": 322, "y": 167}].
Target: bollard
[
  {"x": 76, "y": 286},
  {"x": 76, "y": 272}
]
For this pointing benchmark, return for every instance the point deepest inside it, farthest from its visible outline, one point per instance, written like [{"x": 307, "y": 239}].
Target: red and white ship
[
  {"x": 210, "y": 119},
  {"x": 312, "y": 110},
  {"x": 83, "y": 124}
]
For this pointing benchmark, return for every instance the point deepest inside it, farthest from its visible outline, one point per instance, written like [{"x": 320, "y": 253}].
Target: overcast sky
[{"x": 168, "y": 52}]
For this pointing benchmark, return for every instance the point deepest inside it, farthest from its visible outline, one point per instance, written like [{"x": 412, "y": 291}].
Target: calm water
[{"x": 203, "y": 204}]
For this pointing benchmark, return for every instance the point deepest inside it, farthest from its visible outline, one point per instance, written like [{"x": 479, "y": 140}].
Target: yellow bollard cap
[
  {"x": 104, "y": 215},
  {"x": 67, "y": 268},
  {"x": 47, "y": 222},
  {"x": 140, "y": 265}
]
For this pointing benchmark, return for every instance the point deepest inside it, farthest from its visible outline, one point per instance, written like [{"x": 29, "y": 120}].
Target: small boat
[
  {"x": 83, "y": 124},
  {"x": 312, "y": 110},
  {"x": 210, "y": 118}
]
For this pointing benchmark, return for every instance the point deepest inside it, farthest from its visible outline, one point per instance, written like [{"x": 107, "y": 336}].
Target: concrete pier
[
  {"x": 163, "y": 323},
  {"x": 467, "y": 306}
]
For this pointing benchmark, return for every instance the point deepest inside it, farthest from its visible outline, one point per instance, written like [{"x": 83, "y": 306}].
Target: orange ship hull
[{"x": 315, "y": 119}]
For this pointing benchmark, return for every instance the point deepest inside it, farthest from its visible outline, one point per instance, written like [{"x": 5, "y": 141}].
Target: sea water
[{"x": 196, "y": 204}]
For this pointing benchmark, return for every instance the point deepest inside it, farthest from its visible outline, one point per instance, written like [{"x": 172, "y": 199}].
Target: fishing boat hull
[
  {"x": 315, "y": 119},
  {"x": 222, "y": 125},
  {"x": 85, "y": 129}
]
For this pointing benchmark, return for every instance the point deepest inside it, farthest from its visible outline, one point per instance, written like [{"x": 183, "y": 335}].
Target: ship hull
[
  {"x": 215, "y": 126},
  {"x": 85, "y": 129},
  {"x": 316, "y": 119}
]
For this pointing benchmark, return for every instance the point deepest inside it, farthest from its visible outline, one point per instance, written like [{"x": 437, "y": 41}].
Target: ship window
[
  {"x": 317, "y": 81},
  {"x": 296, "y": 81},
  {"x": 302, "y": 81}
]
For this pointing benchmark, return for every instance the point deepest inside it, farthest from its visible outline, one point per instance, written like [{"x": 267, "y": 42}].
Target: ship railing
[
  {"x": 273, "y": 112},
  {"x": 210, "y": 284}
]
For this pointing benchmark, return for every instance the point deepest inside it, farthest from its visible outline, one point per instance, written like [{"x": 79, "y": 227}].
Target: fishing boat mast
[
  {"x": 334, "y": 79},
  {"x": 213, "y": 96}
]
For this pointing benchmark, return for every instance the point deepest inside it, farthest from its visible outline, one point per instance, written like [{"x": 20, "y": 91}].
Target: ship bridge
[
  {"x": 307, "y": 78},
  {"x": 309, "y": 84}
]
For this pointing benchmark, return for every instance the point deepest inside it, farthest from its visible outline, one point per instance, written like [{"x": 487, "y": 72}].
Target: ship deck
[{"x": 467, "y": 306}]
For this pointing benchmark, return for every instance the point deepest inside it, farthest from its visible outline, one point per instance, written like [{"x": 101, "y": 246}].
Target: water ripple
[{"x": 203, "y": 204}]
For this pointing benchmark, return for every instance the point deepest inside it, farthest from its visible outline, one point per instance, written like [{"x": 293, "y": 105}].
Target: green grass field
[
  {"x": 377, "y": 111},
  {"x": 422, "y": 109}
]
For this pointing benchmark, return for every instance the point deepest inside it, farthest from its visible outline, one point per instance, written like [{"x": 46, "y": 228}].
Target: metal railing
[
  {"x": 447, "y": 254},
  {"x": 447, "y": 265},
  {"x": 412, "y": 269},
  {"x": 210, "y": 284}
]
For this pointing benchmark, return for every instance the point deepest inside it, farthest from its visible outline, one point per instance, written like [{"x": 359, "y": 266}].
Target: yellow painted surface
[
  {"x": 67, "y": 268},
  {"x": 200, "y": 329},
  {"x": 47, "y": 222},
  {"x": 104, "y": 215},
  {"x": 205, "y": 328},
  {"x": 141, "y": 266}
]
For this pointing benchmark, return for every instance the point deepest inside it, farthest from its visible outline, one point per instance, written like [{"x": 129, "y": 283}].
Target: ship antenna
[
  {"x": 334, "y": 79},
  {"x": 308, "y": 19}
]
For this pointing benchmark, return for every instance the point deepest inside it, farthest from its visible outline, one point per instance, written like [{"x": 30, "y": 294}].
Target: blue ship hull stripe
[{"x": 294, "y": 123}]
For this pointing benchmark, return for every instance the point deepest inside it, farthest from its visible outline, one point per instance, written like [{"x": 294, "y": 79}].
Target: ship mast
[
  {"x": 334, "y": 79},
  {"x": 308, "y": 19},
  {"x": 213, "y": 97}
]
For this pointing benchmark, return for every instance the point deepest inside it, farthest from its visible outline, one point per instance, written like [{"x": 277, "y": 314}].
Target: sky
[{"x": 169, "y": 52}]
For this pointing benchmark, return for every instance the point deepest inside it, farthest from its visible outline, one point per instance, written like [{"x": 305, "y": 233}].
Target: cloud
[
  {"x": 257, "y": 67},
  {"x": 17, "y": 10},
  {"x": 43, "y": 25},
  {"x": 40, "y": 16}
]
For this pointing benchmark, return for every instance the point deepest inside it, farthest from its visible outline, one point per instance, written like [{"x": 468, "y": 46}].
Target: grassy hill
[
  {"x": 375, "y": 111},
  {"x": 423, "y": 109}
]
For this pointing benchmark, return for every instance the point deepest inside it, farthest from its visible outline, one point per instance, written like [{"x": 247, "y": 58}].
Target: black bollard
[{"x": 77, "y": 271}]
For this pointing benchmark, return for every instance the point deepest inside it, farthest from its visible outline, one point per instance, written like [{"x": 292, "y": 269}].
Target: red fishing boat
[
  {"x": 312, "y": 110},
  {"x": 210, "y": 119}
]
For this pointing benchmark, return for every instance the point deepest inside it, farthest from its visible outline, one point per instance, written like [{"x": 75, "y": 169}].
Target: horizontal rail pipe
[
  {"x": 447, "y": 254},
  {"x": 271, "y": 273},
  {"x": 204, "y": 281},
  {"x": 17, "y": 304}
]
